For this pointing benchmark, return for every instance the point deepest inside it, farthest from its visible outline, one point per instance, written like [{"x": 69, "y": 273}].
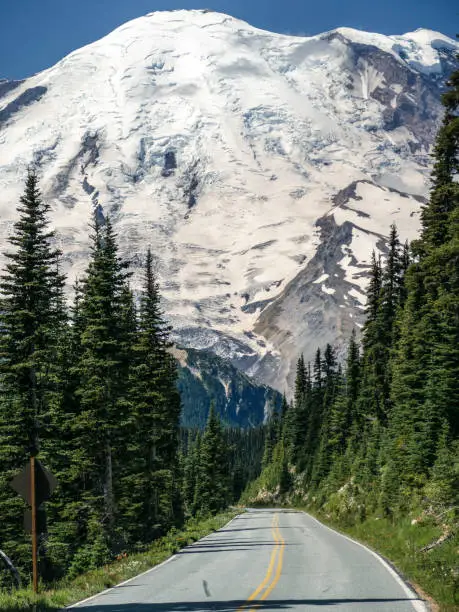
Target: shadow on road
[
  {"x": 268, "y": 528},
  {"x": 229, "y": 606},
  {"x": 228, "y": 546},
  {"x": 222, "y": 548}
]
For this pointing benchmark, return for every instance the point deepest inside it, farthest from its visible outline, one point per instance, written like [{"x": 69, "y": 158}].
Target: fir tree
[
  {"x": 345, "y": 419},
  {"x": 156, "y": 413},
  {"x": 298, "y": 415},
  {"x": 212, "y": 484},
  {"x": 190, "y": 469},
  {"x": 102, "y": 384},
  {"x": 315, "y": 411},
  {"x": 373, "y": 293},
  {"x": 32, "y": 316}
]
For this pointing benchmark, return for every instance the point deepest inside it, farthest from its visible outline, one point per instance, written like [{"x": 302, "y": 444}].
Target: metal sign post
[
  {"x": 33, "y": 498},
  {"x": 35, "y": 485}
]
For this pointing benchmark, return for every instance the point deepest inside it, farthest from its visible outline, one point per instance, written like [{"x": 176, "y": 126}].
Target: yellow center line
[
  {"x": 271, "y": 563},
  {"x": 280, "y": 561},
  {"x": 265, "y": 585}
]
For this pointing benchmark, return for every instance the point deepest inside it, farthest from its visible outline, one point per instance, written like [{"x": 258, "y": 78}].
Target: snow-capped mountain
[{"x": 261, "y": 168}]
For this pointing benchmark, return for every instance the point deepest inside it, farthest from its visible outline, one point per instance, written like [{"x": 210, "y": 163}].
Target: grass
[
  {"x": 65, "y": 593},
  {"x": 434, "y": 574}
]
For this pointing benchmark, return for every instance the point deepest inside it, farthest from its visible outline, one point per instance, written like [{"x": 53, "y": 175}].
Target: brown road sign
[
  {"x": 41, "y": 520},
  {"x": 45, "y": 484}
]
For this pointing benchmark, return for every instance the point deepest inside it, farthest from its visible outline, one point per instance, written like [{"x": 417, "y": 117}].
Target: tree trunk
[{"x": 109, "y": 500}]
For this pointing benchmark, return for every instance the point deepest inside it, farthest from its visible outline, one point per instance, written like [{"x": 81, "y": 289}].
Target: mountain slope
[
  {"x": 253, "y": 163},
  {"x": 205, "y": 378}
]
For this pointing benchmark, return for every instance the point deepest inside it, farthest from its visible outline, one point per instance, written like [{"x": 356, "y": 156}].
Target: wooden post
[{"x": 34, "y": 525}]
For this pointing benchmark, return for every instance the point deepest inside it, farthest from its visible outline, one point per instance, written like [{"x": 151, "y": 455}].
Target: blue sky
[{"x": 35, "y": 34}]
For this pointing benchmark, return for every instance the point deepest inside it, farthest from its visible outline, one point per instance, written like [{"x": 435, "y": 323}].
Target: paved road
[{"x": 265, "y": 560}]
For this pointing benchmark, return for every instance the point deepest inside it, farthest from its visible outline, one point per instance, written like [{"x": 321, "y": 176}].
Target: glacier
[{"x": 262, "y": 169}]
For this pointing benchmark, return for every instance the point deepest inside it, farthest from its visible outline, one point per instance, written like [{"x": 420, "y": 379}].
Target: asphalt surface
[{"x": 265, "y": 560}]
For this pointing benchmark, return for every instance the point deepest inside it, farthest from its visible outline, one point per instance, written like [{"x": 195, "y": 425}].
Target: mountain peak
[
  {"x": 421, "y": 50},
  {"x": 262, "y": 168},
  {"x": 201, "y": 17},
  {"x": 426, "y": 37}
]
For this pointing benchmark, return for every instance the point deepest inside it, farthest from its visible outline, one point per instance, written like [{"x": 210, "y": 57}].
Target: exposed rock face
[
  {"x": 239, "y": 401},
  {"x": 24, "y": 99},
  {"x": 7, "y": 86},
  {"x": 262, "y": 169}
]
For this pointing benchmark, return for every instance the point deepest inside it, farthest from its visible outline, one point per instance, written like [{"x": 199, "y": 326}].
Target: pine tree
[
  {"x": 298, "y": 415},
  {"x": 102, "y": 384},
  {"x": 437, "y": 214},
  {"x": 443, "y": 487},
  {"x": 213, "y": 483},
  {"x": 157, "y": 412},
  {"x": 300, "y": 380},
  {"x": 392, "y": 282},
  {"x": 329, "y": 369},
  {"x": 345, "y": 419},
  {"x": 384, "y": 295},
  {"x": 32, "y": 315},
  {"x": 270, "y": 443},
  {"x": 332, "y": 382},
  {"x": 191, "y": 462},
  {"x": 373, "y": 293},
  {"x": 318, "y": 374}
]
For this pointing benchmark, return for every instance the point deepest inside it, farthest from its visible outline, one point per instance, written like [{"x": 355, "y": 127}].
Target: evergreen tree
[
  {"x": 285, "y": 479},
  {"x": 298, "y": 415},
  {"x": 329, "y": 369},
  {"x": 212, "y": 483},
  {"x": 443, "y": 487},
  {"x": 315, "y": 414},
  {"x": 270, "y": 443},
  {"x": 32, "y": 316},
  {"x": 332, "y": 381},
  {"x": 300, "y": 381},
  {"x": 425, "y": 389},
  {"x": 156, "y": 412},
  {"x": 373, "y": 294},
  {"x": 385, "y": 294},
  {"x": 437, "y": 214},
  {"x": 102, "y": 385},
  {"x": 345, "y": 419},
  {"x": 191, "y": 462},
  {"x": 392, "y": 282}
]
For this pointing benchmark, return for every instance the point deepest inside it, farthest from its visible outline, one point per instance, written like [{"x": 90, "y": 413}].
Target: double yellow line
[{"x": 269, "y": 582}]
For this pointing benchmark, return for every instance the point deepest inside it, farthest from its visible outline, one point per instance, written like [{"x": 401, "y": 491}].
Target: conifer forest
[
  {"x": 91, "y": 390},
  {"x": 89, "y": 386}
]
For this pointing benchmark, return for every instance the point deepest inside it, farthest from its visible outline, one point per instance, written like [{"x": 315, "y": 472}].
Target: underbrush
[{"x": 67, "y": 592}]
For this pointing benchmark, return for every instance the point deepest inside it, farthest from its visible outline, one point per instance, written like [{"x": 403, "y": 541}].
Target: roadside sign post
[
  {"x": 35, "y": 485},
  {"x": 33, "y": 498}
]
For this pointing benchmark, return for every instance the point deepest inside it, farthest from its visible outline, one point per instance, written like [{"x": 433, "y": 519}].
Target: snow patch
[
  {"x": 321, "y": 279},
  {"x": 362, "y": 298}
]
